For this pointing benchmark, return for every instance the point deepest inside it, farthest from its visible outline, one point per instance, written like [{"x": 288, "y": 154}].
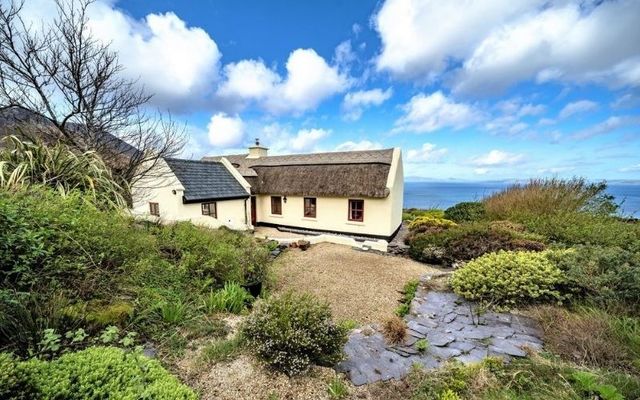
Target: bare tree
[{"x": 72, "y": 82}]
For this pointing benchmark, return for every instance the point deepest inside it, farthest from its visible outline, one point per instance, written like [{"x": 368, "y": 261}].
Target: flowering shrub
[
  {"x": 468, "y": 211},
  {"x": 291, "y": 332},
  {"x": 426, "y": 222},
  {"x": 506, "y": 279},
  {"x": 94, "y": 373}
]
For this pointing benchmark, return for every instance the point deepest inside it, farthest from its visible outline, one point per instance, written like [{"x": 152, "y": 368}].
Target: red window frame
[
  {"x": 154, "y": 209},
  {"x": 210, "y": 209},
  {"x": 356, "y": 210},
  {"x": 276, "y": 205},
  {"x": 310, "y": 207}
]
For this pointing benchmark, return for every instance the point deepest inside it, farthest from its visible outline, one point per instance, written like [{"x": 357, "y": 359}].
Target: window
[
  {"x": 210, "y": 209},
  {"x": 276, "y": 205},
  {"x": 356, "y": 210},
  {"x": 154, "y": 209},
  {"x": 310, "y": 207}
]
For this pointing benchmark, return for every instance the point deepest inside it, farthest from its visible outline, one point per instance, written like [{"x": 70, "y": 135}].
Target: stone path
[{"x": 447, "y": 322}]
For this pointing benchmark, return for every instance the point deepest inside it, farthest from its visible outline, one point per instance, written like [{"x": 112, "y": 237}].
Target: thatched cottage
[{"x": 357, "y": 193}]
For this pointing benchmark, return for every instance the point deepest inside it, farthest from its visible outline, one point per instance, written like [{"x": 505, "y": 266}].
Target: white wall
[{"x": 159, "y": 189}]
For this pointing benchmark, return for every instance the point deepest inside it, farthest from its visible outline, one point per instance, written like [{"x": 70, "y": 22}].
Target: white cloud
[
  {"x": 419, "y": 37},
  {"x": 481, "y": 171},
  {"x": 427, "y": 153},
  {"x": 344, "y": 55},
  {"x": 631, "y": 168},
  {"x": 429, "y": 113},
  {"x": 355, "y": 102},
  {"x": 307, "y": 139},
  {"x": 174, "y": 61},
  {"x": 356, "y": 29},
  {"x": 361, "y": 145},
  {"x": 607, "y": 126},
  {"x": 502, "y": 42},
  {"x": 569, "y": 41},
  {"x": 577, "y": 107},
  {"x": 496, "y": 158},
  {"x": 225, "y": 131},
  {"x": 308, "y": 82}
]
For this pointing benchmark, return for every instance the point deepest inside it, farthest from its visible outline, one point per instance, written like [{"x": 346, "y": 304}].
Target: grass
[
  {"x": 408, "y": 294},
  {"x": 337, "y": 389},
  {"x": 221, "y": 350},
  {"x": 231, "y": 298}
]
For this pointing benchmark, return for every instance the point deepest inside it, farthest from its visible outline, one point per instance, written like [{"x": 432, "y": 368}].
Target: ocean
[{"x": 446, "y": 194}]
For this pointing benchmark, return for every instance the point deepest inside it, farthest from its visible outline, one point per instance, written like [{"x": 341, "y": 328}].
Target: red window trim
[
  {"x": 314, "y": 208},
  {"x": 350, "y": 209},
  {"x": 279, "y": 202}
]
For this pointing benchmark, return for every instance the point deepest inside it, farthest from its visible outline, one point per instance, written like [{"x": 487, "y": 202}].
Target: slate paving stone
[{"x": 450, "y": 325}]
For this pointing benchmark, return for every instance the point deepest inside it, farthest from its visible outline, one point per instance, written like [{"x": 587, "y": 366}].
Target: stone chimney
[{"x": 257, "y": 151}]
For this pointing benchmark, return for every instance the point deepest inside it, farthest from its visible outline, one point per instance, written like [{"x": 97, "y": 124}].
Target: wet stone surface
[{"x": 452, "y": 329}]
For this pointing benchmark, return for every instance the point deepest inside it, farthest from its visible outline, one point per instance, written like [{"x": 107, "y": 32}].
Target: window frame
[
  {"x": 155, "y": 205},
  {"x": 351, "y": 209},
  {"x": 209, "y": 213},
  {"x": 277, "y": 202},
  {"x": 313, "y": 207}
]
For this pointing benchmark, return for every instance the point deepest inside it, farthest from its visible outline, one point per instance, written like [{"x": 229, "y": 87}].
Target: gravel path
[{"x": 358, "y": 285}]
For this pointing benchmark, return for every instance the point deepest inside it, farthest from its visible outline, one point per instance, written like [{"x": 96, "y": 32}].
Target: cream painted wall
[
  {"x": 381, "y": 216},
  {"x": 158, "y": 189}
]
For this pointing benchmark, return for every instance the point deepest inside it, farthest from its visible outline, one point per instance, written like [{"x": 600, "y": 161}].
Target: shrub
[
  {"x": 506, "y": 279},
  {"x": 221, "y": 255},
  {"x": 409, "y": 214},
  {"x": 469, "y": 211},
  {"x": 426, "y": 222},
  {"x": 232, "y": 298},
  {"x": 550, "y": 196},
  {"x": 469, "y": 241},
  {"x": 290, "y": 332},
  {"x": 97, "y": 372},
  {"x": 606, "y": 275},
  {"x": 394, "y": 329}
]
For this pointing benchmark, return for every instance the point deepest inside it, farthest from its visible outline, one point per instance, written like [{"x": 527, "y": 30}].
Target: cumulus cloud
[
  {"x": 419, "y": 37},
  {"x": 497, "y": 158},
  {"x": 225, "y": 131},
  {"x": 568, "y": 42},
  {"x": 428, "y": 113},
  {"x": 172, "y": 60},
  {"x": 308, "y": 82},
  {"x": 504, "y": 42},
  {"x": 361, "y": 145},
  {"x": 354, "y": 103},
  {"x": 307, "y": 139},
  {"x": 577, "y": 107},
  {"x": 429, "y": 152}
]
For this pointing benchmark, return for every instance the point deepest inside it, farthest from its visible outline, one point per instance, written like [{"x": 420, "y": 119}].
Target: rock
[
  {"x": 303, "y": 244},
  {"x": 440, "y": 339},
  {"x": 149, "y": 351},
  {"x": 464, "y": 347},
  {"x": 473, "y": 357},
  {"x": 506, "y": 346}
]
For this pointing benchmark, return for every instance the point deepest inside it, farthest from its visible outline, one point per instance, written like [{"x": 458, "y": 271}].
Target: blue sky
[{"x": 469, "y": 90}]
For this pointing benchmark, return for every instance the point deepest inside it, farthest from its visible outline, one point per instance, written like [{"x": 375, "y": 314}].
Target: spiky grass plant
[{"x": 24, "y": 163}]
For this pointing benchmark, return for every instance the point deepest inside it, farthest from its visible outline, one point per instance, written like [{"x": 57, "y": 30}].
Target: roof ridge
[{"x": 194, "y": 161}]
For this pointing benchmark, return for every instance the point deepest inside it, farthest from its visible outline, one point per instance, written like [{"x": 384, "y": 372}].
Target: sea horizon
[{"x": 444, "y": 194}]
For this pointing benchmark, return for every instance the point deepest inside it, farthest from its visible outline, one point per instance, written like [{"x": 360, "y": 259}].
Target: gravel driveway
[{"x": 358, "y": 285}]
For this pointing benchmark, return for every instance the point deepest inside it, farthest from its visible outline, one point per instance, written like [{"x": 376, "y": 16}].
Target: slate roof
[
  {"x": 205, "y": 180},
  {"x": 342, "y": 174}
]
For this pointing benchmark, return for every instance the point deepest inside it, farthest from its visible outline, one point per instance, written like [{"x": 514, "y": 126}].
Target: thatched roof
[{"x": 336, "y": 174}]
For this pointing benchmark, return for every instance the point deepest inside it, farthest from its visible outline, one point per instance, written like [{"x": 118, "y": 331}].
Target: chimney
[{"x": 257, "y": 151}]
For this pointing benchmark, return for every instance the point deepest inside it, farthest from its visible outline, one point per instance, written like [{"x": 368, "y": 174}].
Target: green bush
[
  {"x": 221, "y": 255},
  {"x": 606, "y": 275},
  {"x": 505, "y": 279},
  {"x": 468, "y": 241},
  {"x": 468, "y": 211},
  {"x": 94, "y": 373},
  {"x": 426, "y": 222},
  {"x": 291, "y": 332},
  {"x": 409, "y": 214}
]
